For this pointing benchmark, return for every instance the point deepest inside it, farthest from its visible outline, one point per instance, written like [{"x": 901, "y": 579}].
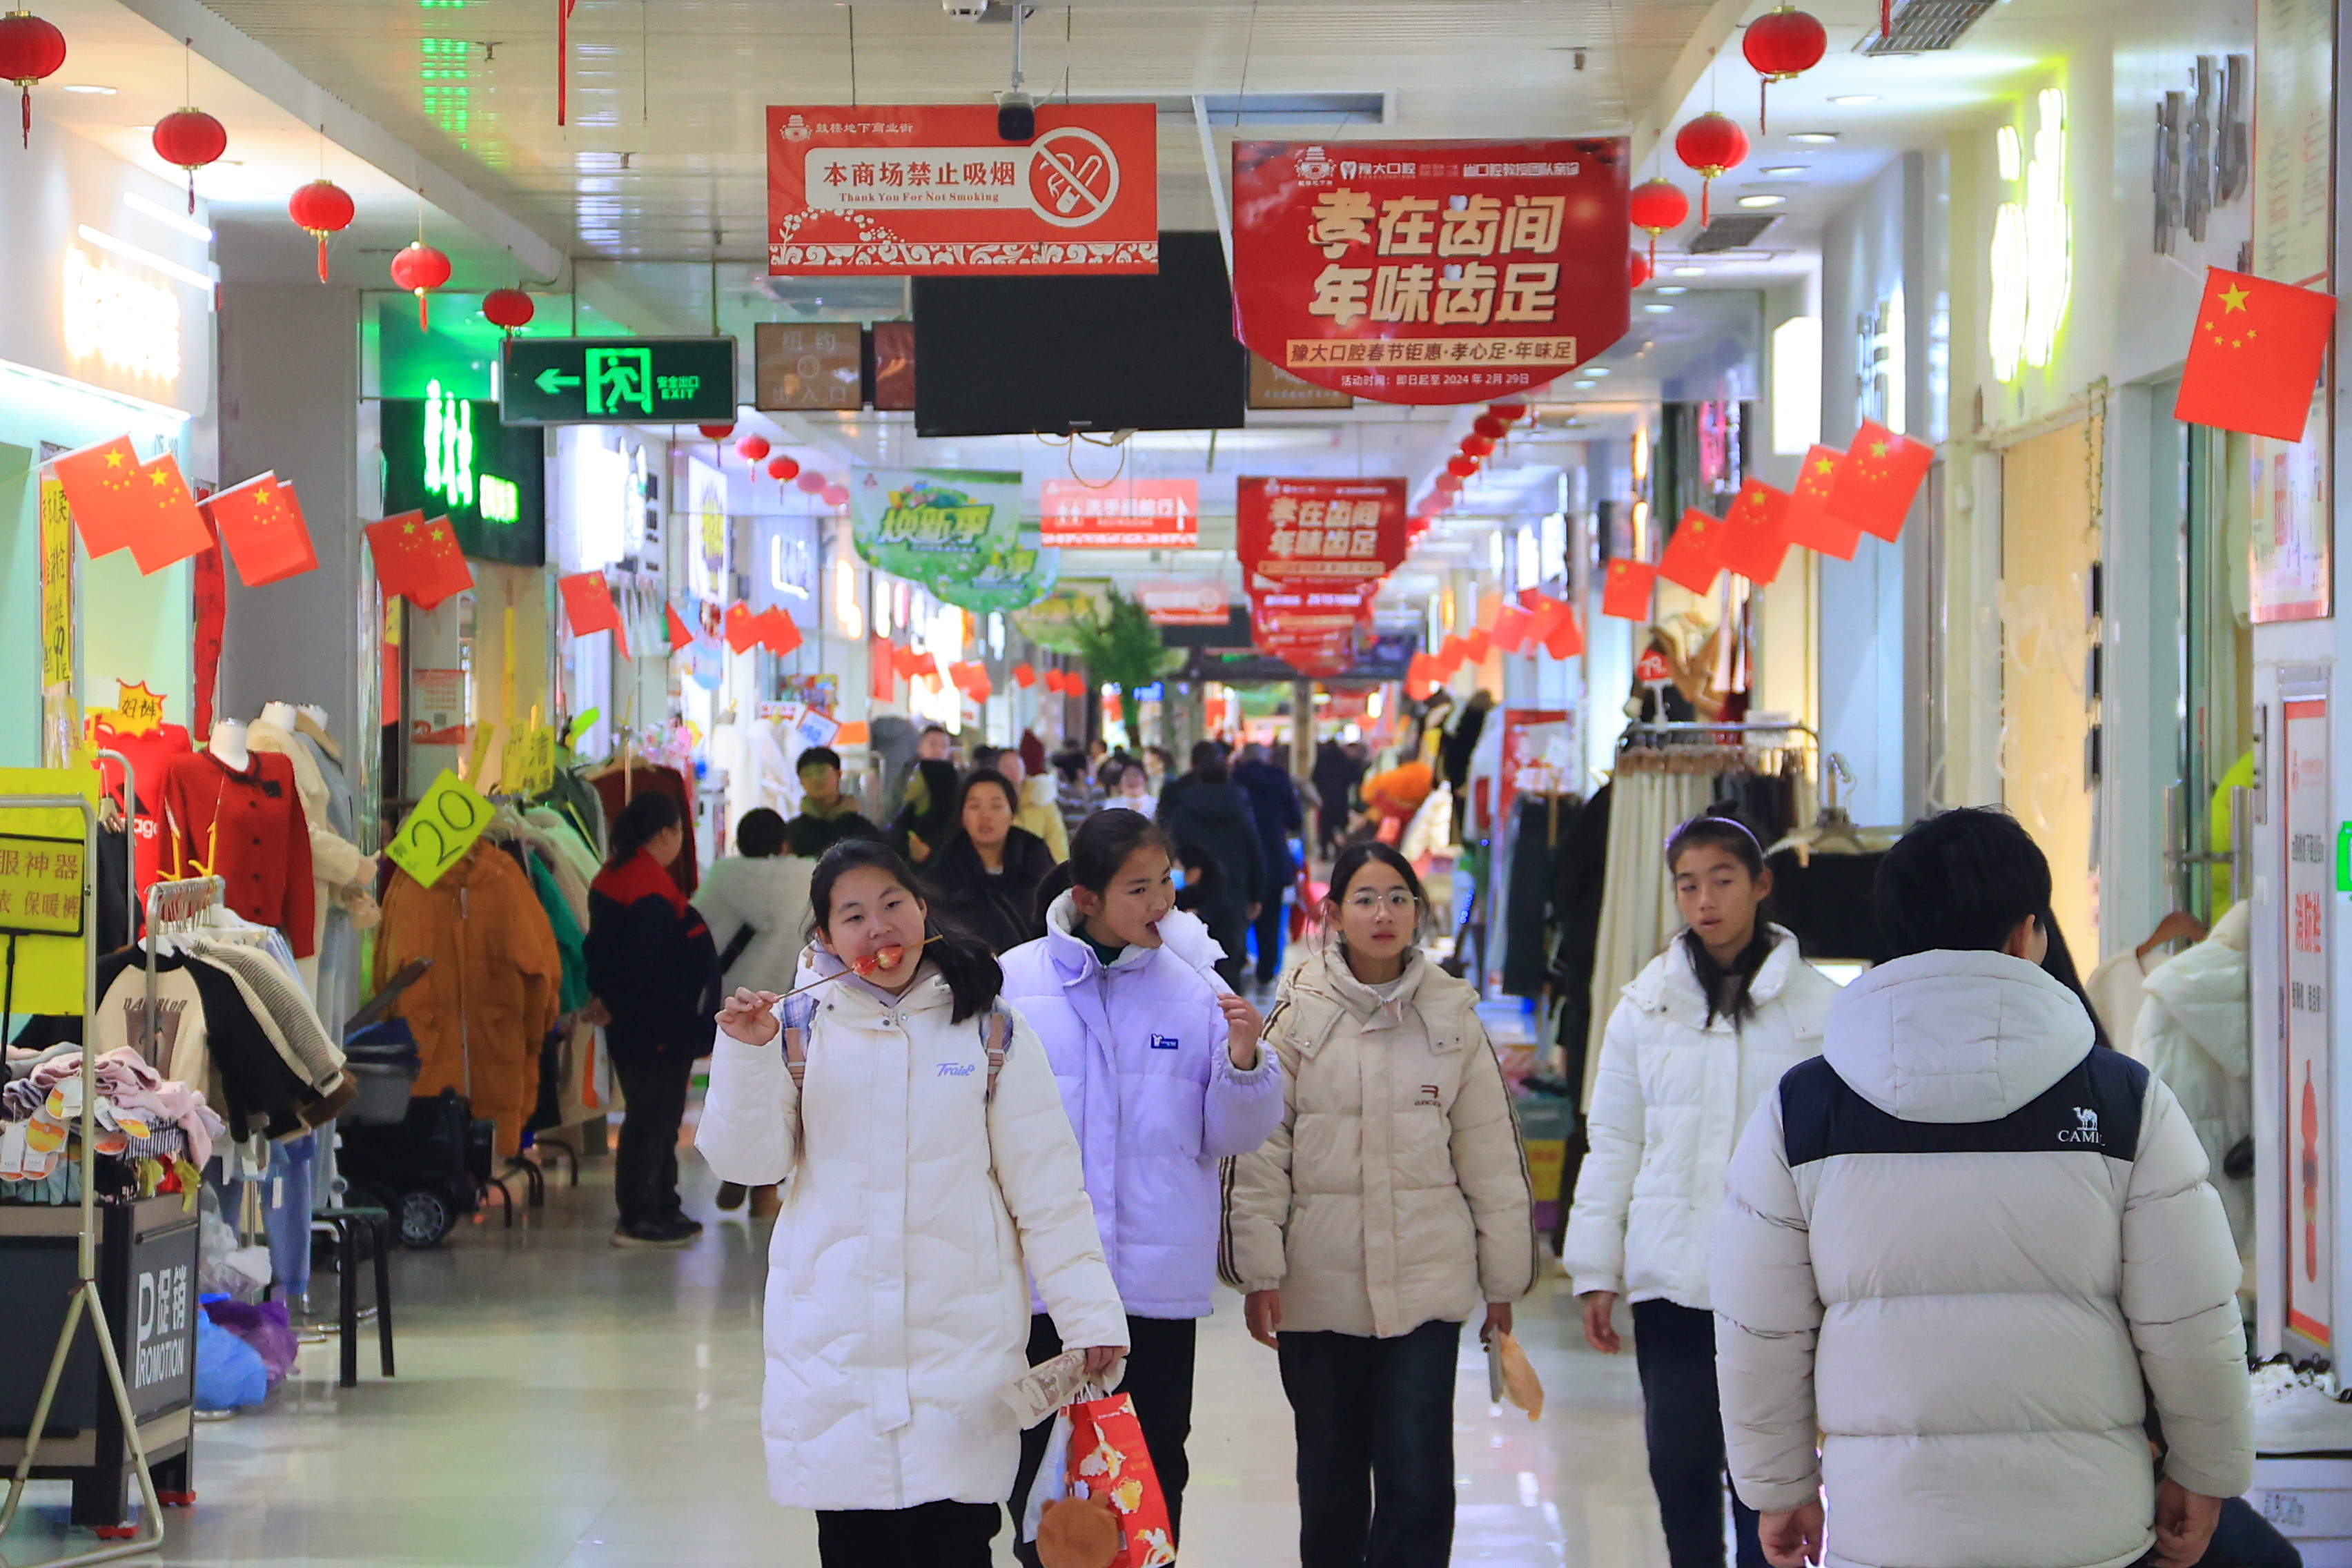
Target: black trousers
[
  {"x": 1375, "y": 1425},
  {"x": 1160, "y": 1377},
  {"x": 644, "y": 1163},
  {"x": 928, "y": 1535},
  {"x": 1681, "y": 1417}
]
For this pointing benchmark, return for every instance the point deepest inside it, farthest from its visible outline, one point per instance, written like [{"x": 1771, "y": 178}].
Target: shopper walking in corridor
[
  {"x": 1698, "y": 1039},
  {"x": 653, "y": 970},
  {"x": 757, "y": 903},
  {"x": 988, "y": 873},
  {"x": 1391, "y": 1204},
  {"x": 933, "y": 1174},
  {"x": 1206, "y": 810},
  {"x": 1966, "y": 1250},
  {"x": 1161, "y": 1075}
]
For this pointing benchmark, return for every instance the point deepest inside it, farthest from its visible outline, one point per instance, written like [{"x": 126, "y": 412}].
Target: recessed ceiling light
[
  {"x": 90, "y": 87},
  {"x": 1587, "y": 385},
  {"x": 1784, "y": 172},
  {"x": 1596, "y": 370},
  {"x": 1816, "y": 138},
  {"x": 1688, "y": 271},
  {"x": 1659, "y": 309},
  {"x": 1854, "y": 97},
  {"x": 1672, "y": 288},
  {"x": 1761, "y": 201}
]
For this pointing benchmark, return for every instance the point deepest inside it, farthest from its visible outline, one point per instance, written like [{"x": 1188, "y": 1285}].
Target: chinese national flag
[
  {"x": 1755, "y": 540},
  {"x": 1450, "y": 655},
  {"x": 905, "y": 660},
  {"x": 1024, "y": 674},
  {"x": 170, "y": 528},
  {"x": 680, "y": 634},
  {"x": 1477, "y": 646},
  {"x": 1511, "y": 628},
  {"x": 741, "y": 630},
  {"x": 1693, "y": 558},
  {"x": 1625, "y": 590},
  {"x": 1563, "y": 639},
  {"x": 101, "y": 483},
  {"x": 588, "y": 607},
  {"x": 1422, "y": 677},
  {"x": 778, "y": 633},
  {"x": 2255, "y": 357},
  {"x": 881, "y": 671},
  {"x": 417, "y": 560},
  {"x": 261, "y": 523},
  {"x": 1881, "y": 474},
  {"x": 1808, "y": 523},
  {"x": 927, "y": 665}
]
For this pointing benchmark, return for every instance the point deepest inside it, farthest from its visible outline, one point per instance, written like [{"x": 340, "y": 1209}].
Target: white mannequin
[
  {"x": 228, "y": 744},
  {"x": 280, "y": 714}
]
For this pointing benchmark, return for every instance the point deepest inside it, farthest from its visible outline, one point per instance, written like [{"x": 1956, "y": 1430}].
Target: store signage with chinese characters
[
  {"x": 2032, "y": 255},
  {"x": 808, "y": 365},
  {"x": 1126, "y": 515},
  {"x": 930, "y": 189},
  {"x": 1291, "y": 531},
  {"x": 2306, "y": 1010},
  {"x": 130, "y": 323},
  {"x": 1430, "y": 272},
  {"x": 1200, "y": 602},
  {"x": 617, "y": 381},
  {"x": 40, "y": 886},
  {"x": 448, "y": 454}
]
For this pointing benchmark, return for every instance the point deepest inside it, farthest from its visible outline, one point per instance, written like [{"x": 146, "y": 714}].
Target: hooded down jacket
[
  {"x": 897, "y": 1306},
  {"x": 1140, "y": 1051},
  {"x": 1968, "y": 1249},
  {"x": 769, "y": 895},
  {"x": 2193, "y": 1029},
  {"x": 1672, "y": 1095},
  {"x": 1395, "y": 1192}
]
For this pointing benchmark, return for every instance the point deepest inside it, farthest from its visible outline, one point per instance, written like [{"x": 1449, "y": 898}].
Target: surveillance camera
[
  {"x": 1016, "y": 117},
  {"x": 965, "y": 10}
]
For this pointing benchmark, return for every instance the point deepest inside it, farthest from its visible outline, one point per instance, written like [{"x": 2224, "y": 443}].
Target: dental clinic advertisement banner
[
  {"x": 931, "y": 189},
  {"x": 1319, "y": 530},
  {"x": 1429, "y": 271}
]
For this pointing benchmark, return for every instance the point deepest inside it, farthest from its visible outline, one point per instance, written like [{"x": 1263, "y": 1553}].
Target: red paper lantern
[
  {"x": 781, "y": 467},
  {"x": 812, "y": 482},
  {"x": 320, "y": 208},
  {"x": 190, "y": 138},
  {"x": 1657, "y": 206},
  {"x": 751, "y": 448},
  {"x": 715, "y": 432},
  {"x": 420, "y": 269},
  {"x": 1780, "y": 44},
  {"x": 30, "y": 49},
  {"x": 1488, "y": 425},
  {"x": 1476, "y": 446},
  {"x": 833, "y": 495},
  {"x": 1460, "y": 466},
  {"x": 507, "y": 308},
  {"x": 1713, "y": 145},
  {"x": 1508, "y": 413},
  {"x": 1637, "y": 271}
]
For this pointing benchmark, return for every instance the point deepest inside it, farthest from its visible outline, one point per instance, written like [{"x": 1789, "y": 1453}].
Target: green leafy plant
[{"x": 1121, "y": 647}]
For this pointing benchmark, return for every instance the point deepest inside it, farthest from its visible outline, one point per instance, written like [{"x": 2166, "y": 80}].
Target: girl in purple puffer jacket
[{"x": 1161, "y": 1075}]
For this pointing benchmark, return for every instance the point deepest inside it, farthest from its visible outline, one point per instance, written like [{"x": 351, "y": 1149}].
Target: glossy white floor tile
[{"x": 561, "y": 1405}]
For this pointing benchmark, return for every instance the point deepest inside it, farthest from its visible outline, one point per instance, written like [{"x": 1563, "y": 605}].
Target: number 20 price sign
[{"x": 437, "y": 834}]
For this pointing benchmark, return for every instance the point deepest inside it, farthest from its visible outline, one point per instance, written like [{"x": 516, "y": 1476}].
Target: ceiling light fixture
[
  {"x": 1586, "y": 386},
  {"x": 1596, "y": 370},
  {"x": 1849, "y": 99},
  {"x": 1785, "y": 171},
  {"x": 1813, "y": 138},
  {"x": 1688, "y": 271},
  {"x": 89, "y": 89},
  {"x": 1670, "y": 289},
  {"x": 1659, "y": 309},
  {"x": 1761, "y": 201}
]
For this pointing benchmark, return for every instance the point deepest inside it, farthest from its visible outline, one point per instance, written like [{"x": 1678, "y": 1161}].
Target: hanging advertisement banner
[
  {"x": 2309, "y": 1118},
  {"x": 1292, "y": 531},
  {"x": 1010, "y": 579},
  {"x": 930, "y": 189},
  {"x": 1052, "y": 623},
  {"x": 934, "y": 524},
  {"x": 1275, "y": 608},
  {"x": 1126, "y": 515},
  {"x": 1429, "y": 271},
  {"x": 1194, "y": 602}
]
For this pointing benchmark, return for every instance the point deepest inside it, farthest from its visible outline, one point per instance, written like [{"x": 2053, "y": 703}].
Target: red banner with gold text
[{"x": 1319, "y": 530}]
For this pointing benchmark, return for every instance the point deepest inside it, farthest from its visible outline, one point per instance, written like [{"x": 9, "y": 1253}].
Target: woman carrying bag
[
  {"x": 1161, "y": 1075},
  {"x": 1701, "y": 1036},
  {"x": 1391, "y": 1204},
  {"x": 933, "y": 1173}
]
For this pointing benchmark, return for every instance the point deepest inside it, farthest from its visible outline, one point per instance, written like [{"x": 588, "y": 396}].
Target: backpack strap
[
  {"x": 996, "y": 1036},
  {"x": 795, "y": 1014}
]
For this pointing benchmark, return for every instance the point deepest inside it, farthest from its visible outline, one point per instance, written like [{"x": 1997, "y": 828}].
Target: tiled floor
[{"x": 561, "y": 1405}]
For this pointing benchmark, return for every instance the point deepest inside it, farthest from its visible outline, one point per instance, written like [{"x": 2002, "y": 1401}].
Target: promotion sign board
[
  {"x": 1292, "y": 531},
  {"x": 1196, "y": 602},
  {"x": 1126, "y": 515},
  {"x": 931, "y": 189},
  {"x": 1429, "y": 271},
  {"x": 956, "y": 533}
]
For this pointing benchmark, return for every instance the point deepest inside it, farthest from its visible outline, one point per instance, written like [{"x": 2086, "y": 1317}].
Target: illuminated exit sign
[
  {"x": 618, "y": 381},
  {"x": 447, "y": 454}
]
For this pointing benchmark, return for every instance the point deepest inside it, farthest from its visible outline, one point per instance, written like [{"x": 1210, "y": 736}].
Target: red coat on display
[
  {"x": 248, "y": 827},
  {"x": 150, "y": 753}
]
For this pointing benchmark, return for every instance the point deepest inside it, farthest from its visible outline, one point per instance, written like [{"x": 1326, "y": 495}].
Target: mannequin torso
[{"x": 228, "y": 744}]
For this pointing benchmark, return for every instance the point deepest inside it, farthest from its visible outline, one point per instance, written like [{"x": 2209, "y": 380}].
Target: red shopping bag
[{"x": 1109, "y": 1460}]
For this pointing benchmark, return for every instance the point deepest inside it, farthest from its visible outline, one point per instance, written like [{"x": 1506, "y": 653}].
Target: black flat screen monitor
[{"x": 1009, "y": 356}]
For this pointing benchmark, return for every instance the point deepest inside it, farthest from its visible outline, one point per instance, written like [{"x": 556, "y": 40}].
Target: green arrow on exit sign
[{"x": 617, "y": 381}]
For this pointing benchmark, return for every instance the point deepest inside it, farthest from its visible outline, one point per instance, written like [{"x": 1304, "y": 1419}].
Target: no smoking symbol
[{"x": 1073, "y": 177}]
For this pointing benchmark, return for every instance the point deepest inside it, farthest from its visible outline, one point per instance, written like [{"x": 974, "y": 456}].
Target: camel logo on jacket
[{"x": 2085, "y": 1128}]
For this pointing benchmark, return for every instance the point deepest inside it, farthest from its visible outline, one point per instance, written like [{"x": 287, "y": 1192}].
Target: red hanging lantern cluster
[
  {"x": 320, "y": 209},
  {"x": 507, "y": 308},
  {"x": 781, "y": 468},
  {"x": 1490, "y": 426},
  {"x": 715, "y": 432},
  {"x": 30, "y": 51},
  {"x": 812, "y": 482},
  {"x": 752, "y": 448},
  {"x": 1782, "y": 44},
  {"x": 1460, "y": 465},
  {"x": 1713, "y": 145},
  {"x": 420, "y": 269},
  {"x": 1637, "y": 271},
  {"x": 190, "y": 138},
  {"x": 1655, "y": 206},
  {"x": 1476, "y": 446},
  {"x": 1508, "y": 413},
  {"x": 833, "y": 495}
]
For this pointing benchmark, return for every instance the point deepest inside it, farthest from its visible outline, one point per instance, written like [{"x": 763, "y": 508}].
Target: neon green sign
[{"x": 449, "y": 445}]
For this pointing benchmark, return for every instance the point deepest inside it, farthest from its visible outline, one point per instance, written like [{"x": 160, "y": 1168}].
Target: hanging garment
[
  {"x": 616, "y": 784},
  {"x": 338, "y": 868},
  {"x": 208, "y": 1035},
  {"x": 573, "y": 993},
  {"x": 494, "y": 989},
  {"x": 1826, "y": 899},
  {"x": 572, "y": 797},
  {"x": 1536, "y": 820},
  {"x": 247, "y": 825},
  {"x": 151, "y": 753},
  {"x": 1637, "y": 905},
  {"x": 282, "y": 1006}
]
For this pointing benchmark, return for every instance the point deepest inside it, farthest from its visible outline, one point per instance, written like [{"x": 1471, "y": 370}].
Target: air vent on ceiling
[
  {"x": 1922, "y": 25},
  {"x": 1308, "y": 110},
  {"x": 1732, "y": 231}
]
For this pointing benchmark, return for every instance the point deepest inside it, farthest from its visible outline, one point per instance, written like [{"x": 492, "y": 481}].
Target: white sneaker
[{"x": 2294, "y": 1415}]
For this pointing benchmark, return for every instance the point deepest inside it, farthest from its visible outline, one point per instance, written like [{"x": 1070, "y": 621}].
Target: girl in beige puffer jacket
[{"x": 1391, "y": 1204}]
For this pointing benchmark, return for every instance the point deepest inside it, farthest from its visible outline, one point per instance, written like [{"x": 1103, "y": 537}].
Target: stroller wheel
[{"x": 424, "y": 1217}]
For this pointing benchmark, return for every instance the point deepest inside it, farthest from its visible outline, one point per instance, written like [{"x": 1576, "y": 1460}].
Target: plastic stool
[{"x": 348, "y": 1224}]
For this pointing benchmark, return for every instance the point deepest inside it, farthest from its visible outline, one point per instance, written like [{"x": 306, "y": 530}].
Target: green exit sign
[{"x": 617, "y": 381}]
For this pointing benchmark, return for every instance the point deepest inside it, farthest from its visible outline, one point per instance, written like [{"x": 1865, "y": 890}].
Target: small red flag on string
[
  {"x": 1422, "y": 677},
  {"x": 101, "y": 484},
  {"x": 261, "y": 523},
  {"x": 1024, "y": 675},
  {"x": 1754, "y": 541},
  {"x": 1880, "y": 477},
  {"x": 1563, "y": 639},
  {"x": 1808, "y": 523},
  {"x": 778, "y": 633},
  {"x": 1691, "y": 559},
  {"x": 419, "y": 559},
  {"x": 1511, "y": 628},
  {"x": 169, "y": 528},
  {"x": 740, "y": 627},
  {"x": 1477, "y": 646},
  {"x": 2253, "y": 361},
  {"x": 588, "y": 607},
  {"x": 680, "y": 634},
  {"x": 1625, "y": 590}
]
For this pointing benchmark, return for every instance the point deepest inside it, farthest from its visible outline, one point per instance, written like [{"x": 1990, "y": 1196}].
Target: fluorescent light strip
[
  {"x": 166, "y": 216},
  {"x": 129, "y": 252},
  {"x": 159, "y": 410}
]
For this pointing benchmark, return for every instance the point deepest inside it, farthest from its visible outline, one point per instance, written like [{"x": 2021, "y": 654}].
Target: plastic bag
[
  {"x": 1511, "y": 1377},
  {"x": 262, "y": 1325},
  {"x": 229, "y": 1372},
  {"x": 1052, "y": 1482},
  {"x": 1108, "y": 1459}
]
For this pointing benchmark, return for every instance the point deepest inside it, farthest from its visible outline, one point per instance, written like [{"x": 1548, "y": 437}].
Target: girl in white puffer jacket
[{"x": 1702, "y": 1034}]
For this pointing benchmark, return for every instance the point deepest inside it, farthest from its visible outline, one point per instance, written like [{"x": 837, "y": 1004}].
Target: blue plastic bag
[{"x": 229, "y": 1372}]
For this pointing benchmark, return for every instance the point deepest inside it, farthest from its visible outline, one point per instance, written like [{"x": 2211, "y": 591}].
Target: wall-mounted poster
[
  {"x": 2308, "y": 1116},
  {"x": 2293, "y": 565}
]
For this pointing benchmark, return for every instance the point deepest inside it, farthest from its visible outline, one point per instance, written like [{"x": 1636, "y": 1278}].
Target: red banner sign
[
  {"x": 1429, "y": 271},
  {"x": 1126, "y": 515},
  {"x": 1199, "y": 603},
  {"x": 1336, "y": 609},
  {"x": 1294, "y": 530},
  {"x": 929, "y": 189}
]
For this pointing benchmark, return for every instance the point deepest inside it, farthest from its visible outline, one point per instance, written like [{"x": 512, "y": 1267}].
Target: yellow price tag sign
[
  {"x": 514, "y": 766},
  {"x": 541, "y": 769},
  {"x": 40, "y": 886},
  {"x": 486, "y": 736},
  {"x": 437, "y": 834}
]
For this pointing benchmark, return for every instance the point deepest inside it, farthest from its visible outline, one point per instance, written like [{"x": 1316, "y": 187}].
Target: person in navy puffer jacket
[{"x": 1161, "y": 1075}]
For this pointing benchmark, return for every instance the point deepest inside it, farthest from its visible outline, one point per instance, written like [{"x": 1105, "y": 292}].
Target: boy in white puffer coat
[{"x": 1702, "y": 1035}]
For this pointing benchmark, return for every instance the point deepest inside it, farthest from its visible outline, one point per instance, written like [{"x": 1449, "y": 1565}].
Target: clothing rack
[
  {"x": 174, "y": 906},
  {"x": 85, "y": 1297}
]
